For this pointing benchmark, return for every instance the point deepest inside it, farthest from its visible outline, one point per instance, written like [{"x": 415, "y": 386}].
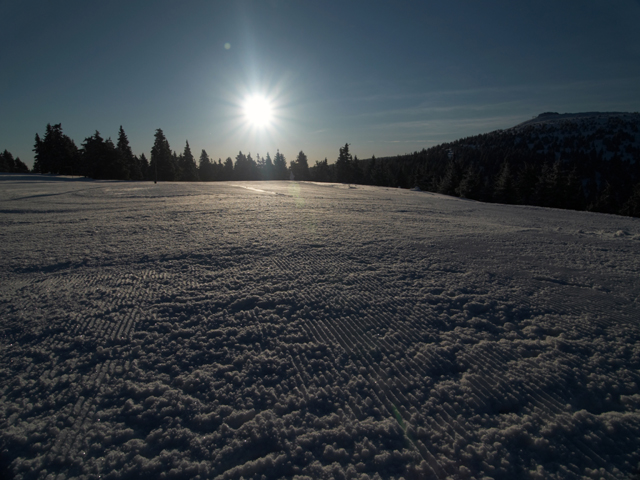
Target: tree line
[
  {"x": 8, "y": 164},
  {"x": 503, "y": 166},
  {"x": 101, "y": 159}
]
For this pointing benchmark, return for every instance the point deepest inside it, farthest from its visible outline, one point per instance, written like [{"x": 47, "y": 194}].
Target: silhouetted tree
[
  {"x": 300, "y": 167},
  {"x": 344, "y": 166},
  {"x": 321, "y": 172},
  {"x": 379, "y": 173},
  {"x": 205, "y": 167},
  {"x": 357, "y": 172},
  {"x": 20, "y": 167},
  {"x": 253, "y": 168},
  {"x": 130, "y": 165},
  {"x": 227, "y": 171},
  {"x": 245, "y": 167},
  {"x": 7, "y": 163},
  {"x": 163, "y": 162},
  {"x": 144, "y": 166},
  {"x": 267, "y": 169},
  {"x": 56, "y": 153},
  {"x": 188, "y": 169},
  {"x": 280, "y": 171},
  {"x": 102, "y": 159}
]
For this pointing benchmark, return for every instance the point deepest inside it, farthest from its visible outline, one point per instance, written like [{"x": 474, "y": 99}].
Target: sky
[{"x": 386, "y": 77}]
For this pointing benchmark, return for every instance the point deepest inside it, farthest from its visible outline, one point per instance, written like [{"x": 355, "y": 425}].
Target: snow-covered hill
[{"x": 282, "y": 329}]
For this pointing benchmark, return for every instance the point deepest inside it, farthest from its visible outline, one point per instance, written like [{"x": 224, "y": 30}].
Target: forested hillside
[{"x": 576, "y": 161}]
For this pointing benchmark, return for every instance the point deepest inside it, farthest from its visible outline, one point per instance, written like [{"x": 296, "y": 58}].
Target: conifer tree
[
  {"x": 471, "y": 185},
  {"x": 130, "y": 164},
  {"x": 227, "y": 169},
  {"x": 7, "y": 163},
  {"x": 632, "y": 205},
  {"x": 205, "y": 167},
  {"x": 267, "y": 171},
  {"x": 144, "y": 167},
  {"x": 357, "y": 172},
  {"x": 56, "y": 153},
  {"x": 102, "y": 159},
  {"x": 449, "y": 183},
  {"x": 188, "y": 169},
  {"x": 252, "y": 168},
  {"x": 321, "y": 171},
  {"x": 526, "y": 184},
  {"x": 242, "y": 167},
  {"x": 607, "y": 201},
  {"x": 504, "y": 190},
  {"x": 378, "y": 173},
  {"x": 163, "y": 162},
  {"x": 93, "y": 153},
  {"x": 260, "y": 163},
  {"x": 280, "y": 171},
  {"x": 344, "y": 168},
  {"x": 20, "y": 167},
  {"x": 300, "y": 167}
]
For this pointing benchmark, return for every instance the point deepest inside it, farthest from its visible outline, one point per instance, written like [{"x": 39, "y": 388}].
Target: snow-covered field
[{"x": 281, "y": 329}]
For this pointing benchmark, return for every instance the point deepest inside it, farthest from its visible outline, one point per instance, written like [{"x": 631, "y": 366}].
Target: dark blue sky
[{"x": 387, "y": 77}]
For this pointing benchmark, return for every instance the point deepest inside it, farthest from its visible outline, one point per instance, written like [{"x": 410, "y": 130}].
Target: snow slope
[{"x": 281, "y": 329}]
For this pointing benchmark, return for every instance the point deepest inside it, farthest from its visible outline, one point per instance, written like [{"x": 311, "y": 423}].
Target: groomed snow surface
[{"x": 299, "y": 330}]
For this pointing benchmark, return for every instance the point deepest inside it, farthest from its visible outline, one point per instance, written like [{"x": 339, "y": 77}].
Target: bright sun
[{"x": 258, "y": 111}]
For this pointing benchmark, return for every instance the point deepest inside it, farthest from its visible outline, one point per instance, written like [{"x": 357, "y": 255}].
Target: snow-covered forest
[{"x": 302, "y": 330}]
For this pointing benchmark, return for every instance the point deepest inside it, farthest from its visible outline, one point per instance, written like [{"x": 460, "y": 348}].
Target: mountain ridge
[{"x": 555, "y": 116}]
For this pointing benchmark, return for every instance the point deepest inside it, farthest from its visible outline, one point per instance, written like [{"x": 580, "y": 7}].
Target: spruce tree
[
  {"x": 344, "y": 169},
  {"x": 252, "y": 168},
  {"x": 267, "y": 172},
  {"x": 7, "y": 163},
  {"x": 188, "y": 169},
  {"x": 144, "y": 166},
  {"x": 227, "y": 169},
  {"x": 130, "y": 164},
  {"x": 95, "y": 156},
  {"x": 102, "y": 159},
  {"x": 451, "y": 180},
  {"x": 205, "y": 168},
  {"x": 241, "y": 169},
  {"x": 163, "y": 163},
  {"x": 115, "y": 164},
  {"x": 321, "y": 172},
  {"x": 504, "y": 190},
  {"x": 21, "y": 167},
  {"x": 300, "y": 167},
  {"x": 471, "y": 185},
  {"x": 280, "y": 171},
  {"x": 56, "y": 153}
]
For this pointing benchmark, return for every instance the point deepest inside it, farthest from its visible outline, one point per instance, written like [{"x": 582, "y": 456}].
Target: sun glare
[{"x": 258, "y": 111}]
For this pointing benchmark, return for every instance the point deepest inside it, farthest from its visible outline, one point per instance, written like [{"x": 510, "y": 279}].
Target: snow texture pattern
[{"x": 300, "y": 330}]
